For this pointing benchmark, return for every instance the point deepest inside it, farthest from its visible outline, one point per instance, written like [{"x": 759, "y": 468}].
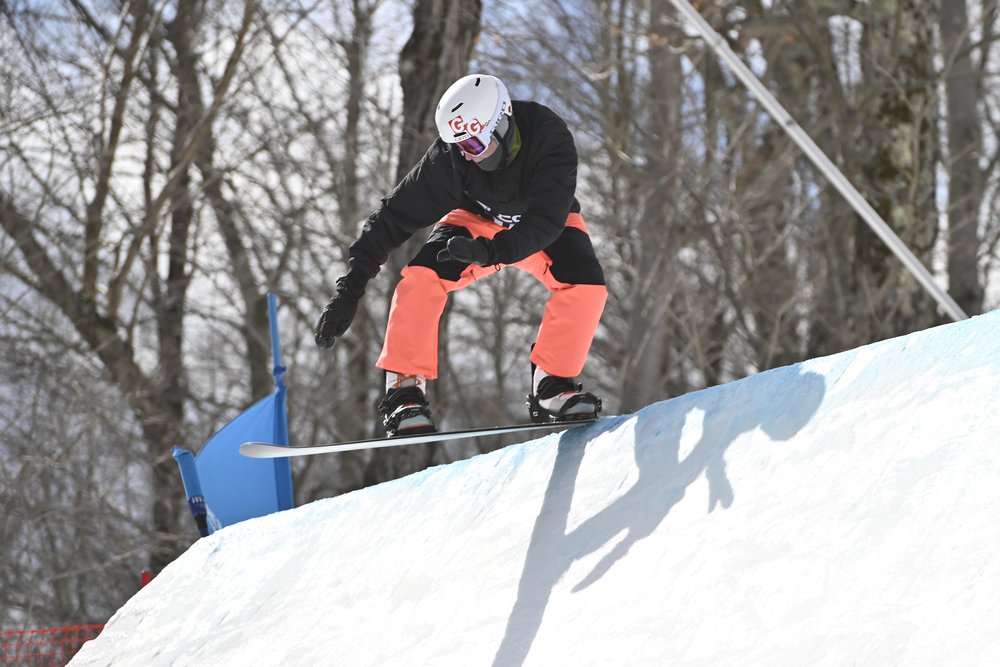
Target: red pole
[{"x": 147, "y": 577}]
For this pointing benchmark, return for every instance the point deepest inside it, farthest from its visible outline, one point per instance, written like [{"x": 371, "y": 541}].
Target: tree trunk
[
  {"x": 899, "y": 165},
  {"x": 965, "y": 148},
  {"x": 436, "y": 54},
  {"x": 171, "y": 311},
  {"x": 647, "y": 349}
]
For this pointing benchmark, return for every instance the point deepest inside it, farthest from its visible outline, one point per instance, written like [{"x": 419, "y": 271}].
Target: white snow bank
[{"x": 840, "y": 511}]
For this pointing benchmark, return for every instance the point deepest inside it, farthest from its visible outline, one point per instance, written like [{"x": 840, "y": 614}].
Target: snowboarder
[{"x": 499, "y": 187}]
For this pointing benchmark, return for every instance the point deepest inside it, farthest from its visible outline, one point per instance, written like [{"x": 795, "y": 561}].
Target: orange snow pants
[{"x": 568, "y": 268}]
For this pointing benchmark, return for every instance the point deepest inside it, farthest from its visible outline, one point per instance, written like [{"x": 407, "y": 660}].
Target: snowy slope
[{"x": 841, "y": 511}]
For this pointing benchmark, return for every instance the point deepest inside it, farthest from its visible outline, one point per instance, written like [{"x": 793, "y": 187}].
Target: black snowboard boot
[
  {"x": 405, "y": 412},
  {"x": 561, "y": 399}
]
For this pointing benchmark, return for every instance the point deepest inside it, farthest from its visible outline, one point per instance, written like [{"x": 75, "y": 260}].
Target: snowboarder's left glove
[
  {"x": 339, "y": 313},
  {"x": 469, "y": 251}
]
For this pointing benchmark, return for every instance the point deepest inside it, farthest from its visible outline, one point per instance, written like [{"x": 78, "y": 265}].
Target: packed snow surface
[{"x": 845, "y": 510}]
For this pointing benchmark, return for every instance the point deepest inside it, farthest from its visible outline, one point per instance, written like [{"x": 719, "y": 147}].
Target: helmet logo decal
[{"x": 461, "y": 127}]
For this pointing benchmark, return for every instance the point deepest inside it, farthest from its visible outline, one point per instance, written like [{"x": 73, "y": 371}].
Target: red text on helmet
[{"x": 460, "y": 126}]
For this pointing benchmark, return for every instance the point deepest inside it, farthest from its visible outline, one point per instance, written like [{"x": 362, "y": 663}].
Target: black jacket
[{"x": 531, "y": 196}]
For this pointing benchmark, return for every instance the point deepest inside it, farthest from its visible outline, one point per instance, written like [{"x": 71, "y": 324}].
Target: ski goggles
[{"x": 475, "y": 145}]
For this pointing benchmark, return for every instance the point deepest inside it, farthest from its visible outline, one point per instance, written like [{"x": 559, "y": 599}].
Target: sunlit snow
[{"x": 845, "y": 510}]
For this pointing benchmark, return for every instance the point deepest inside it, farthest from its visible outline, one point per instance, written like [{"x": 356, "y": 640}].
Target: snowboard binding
[
  {"x": 560, "y": 399},
  {"x": 405, "y": 411},
  {"x": 582, "y": 406}
]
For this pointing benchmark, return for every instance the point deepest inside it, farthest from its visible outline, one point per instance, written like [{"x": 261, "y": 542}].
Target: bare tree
[
  {"x": 966, "y": 181},
  {"x": 102, "y": 318},
  {"x": 657, "y": 232}
]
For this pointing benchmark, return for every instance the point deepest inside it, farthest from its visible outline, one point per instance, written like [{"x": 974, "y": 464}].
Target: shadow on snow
[{"x": 781, "y": 402}]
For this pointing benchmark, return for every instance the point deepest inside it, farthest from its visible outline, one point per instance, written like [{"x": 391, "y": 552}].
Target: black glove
[
  {"x": 469, "y": 251},
  {"x": 339, "y": 313}
]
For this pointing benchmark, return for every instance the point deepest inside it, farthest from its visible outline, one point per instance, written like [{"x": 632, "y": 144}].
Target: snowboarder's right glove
[
  {"x": 469, "y": 251},
  {"x": 339, "y": 313}
]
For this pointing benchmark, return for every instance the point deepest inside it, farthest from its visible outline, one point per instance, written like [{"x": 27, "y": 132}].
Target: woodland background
[{"x": 166, "y": 163}]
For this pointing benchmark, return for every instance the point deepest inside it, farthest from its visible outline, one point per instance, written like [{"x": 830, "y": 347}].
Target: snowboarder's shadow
[{"x": 780, "y": 402}]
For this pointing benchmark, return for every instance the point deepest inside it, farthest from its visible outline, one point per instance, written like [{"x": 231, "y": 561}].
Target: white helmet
[{"x": 470, "y": 110}]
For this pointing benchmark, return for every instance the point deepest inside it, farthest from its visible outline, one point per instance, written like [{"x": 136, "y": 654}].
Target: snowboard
[{"x": 264, "y": 450}]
